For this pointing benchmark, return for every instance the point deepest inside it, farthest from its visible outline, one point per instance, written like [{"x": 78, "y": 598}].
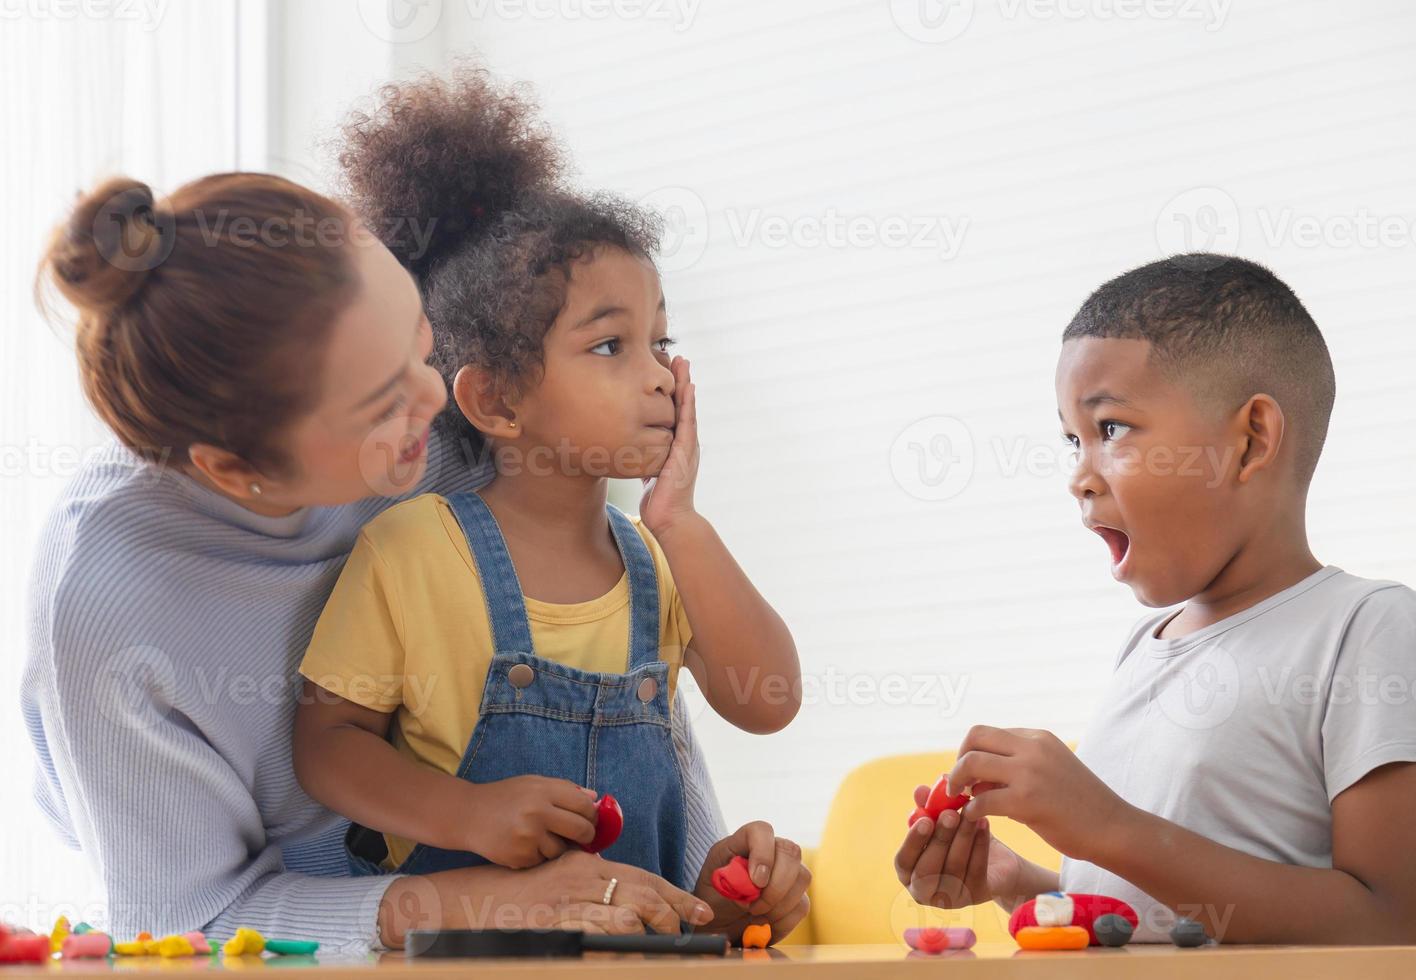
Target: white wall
[
  {"x": 325, "y": 56},
  {"x": 1062, "y": 143}
]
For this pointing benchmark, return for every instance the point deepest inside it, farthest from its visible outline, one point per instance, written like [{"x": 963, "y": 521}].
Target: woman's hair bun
[
  {"x": 113, "y": 239},
  {"x": 438, "y": 160}
]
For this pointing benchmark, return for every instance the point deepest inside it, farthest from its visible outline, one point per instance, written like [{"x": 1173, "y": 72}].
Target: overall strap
[
  {"x": 506, "y": 609},
  {"x": 643, "y": 590}
]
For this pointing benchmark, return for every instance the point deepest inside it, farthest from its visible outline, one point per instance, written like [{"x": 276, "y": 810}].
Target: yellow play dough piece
[
  {"x": 135, "y": 948},
  {"x": 60, "y": 933},
  {"x": 246, "y": 942},
  {"x": 1052, "y": 937},
  {"x": 170, "y": 946}
]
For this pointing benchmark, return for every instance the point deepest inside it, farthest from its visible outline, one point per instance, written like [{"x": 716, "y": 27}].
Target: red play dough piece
[
  {"x": 936, "y": 939},
  {"x": 938, "y": 801},
  {"x": 1086, "y": 909},
  {"x": 27, "y": 947},
  {"x": 734, "y": 882},
  {"x": 609, "y": 821}
]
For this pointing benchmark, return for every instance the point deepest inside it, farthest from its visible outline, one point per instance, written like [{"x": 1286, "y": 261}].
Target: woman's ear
[
  {"x": 1261, "y": 420},
  {"x": 481, "y": 404},
  {"x": 228, "y": 472}
]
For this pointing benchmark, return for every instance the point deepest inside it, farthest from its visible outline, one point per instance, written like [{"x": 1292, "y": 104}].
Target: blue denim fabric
[{"x": 586, "y": 727}]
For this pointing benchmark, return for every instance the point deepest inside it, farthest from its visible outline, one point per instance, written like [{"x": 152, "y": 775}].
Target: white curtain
[
  {"x": 147, "y": 90},
  {"x": 164, "y": 91}
]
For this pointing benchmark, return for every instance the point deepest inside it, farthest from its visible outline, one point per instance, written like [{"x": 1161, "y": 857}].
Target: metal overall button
[
  {"x": 521, "y": 676},
  {"x": 647, "y": 689}
]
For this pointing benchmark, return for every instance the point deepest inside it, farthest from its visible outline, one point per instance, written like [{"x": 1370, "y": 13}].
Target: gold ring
[{"x": 610, "y": 891}]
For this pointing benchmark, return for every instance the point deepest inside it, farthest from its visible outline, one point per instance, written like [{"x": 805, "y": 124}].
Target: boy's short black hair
[{"x": 1227, "y": 329}]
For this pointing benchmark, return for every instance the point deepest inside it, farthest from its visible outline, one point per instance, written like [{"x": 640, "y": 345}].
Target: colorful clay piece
[
  {"x": 24, "y": 947},
  {"x": 59, "y": 934},
  {"x": 246, "y": 942},
  {"x": 1112, "y": 930},
  {"x": 200, "y": 946},
  {"x": 291, "y": 947},
  {"x": 1052, "y": 937},
  {"x": 734, "y": 882},
  {"x": 938, "y": 801},
  {"x": 757, "y": 936},
  {"x": 937, "y": 939},
  {"x": 609, "y": 821},
  {"x": 137, "y": 947},
  {"x": 1052, "y": 909},
  {"x": 173, "y": 946},
  {"x": 1187, "y": 933},
  {"x": 87, "y": 946},
  {"x": 144, "y": 937}
]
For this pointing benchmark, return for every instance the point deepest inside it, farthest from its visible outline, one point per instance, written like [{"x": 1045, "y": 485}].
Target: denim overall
[{"x": 610, "y": 732}]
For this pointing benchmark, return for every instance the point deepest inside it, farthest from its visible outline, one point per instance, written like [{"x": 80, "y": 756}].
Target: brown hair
[
  {"x": 197, "y": 316},
  {"x": 467, "y": 161}
]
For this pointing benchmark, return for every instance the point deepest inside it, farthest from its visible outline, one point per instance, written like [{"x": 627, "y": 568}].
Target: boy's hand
[
  {"x": 522, "y": 821},
  {"x": 1038, "y": 781},
  {"x": 955, "y": 862},
  {"x": 774, "y": 864},
  {"x": 668, "y": 497}
]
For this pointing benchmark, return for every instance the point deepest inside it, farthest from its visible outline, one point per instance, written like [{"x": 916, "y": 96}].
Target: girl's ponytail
[{"x": 439, "y": 161}]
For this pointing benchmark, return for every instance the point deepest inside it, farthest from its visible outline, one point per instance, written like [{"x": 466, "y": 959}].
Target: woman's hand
[
  {"x": 774, "y": 864},
  {"x": 668, "y": 497},
  {"x": 522, "y": 821},
  {"x": 571, "y": 891},
  {"x": 954, "y": 862},
  {"x": 565, "y": 893}
]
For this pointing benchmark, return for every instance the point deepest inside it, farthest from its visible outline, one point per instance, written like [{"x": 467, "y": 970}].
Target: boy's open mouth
[{"x": 1118, "y": 541}]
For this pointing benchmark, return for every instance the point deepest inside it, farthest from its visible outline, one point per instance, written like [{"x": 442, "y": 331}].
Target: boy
[{"x": 1252, "y": 765}]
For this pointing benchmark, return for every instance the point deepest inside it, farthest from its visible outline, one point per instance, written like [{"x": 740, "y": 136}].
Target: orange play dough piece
[
  {"x": 1052, "y": 937},
  {"x": 757, "y": 936}
]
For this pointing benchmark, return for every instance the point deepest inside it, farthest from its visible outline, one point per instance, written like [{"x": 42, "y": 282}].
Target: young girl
[{"x": 490, "y": 663}]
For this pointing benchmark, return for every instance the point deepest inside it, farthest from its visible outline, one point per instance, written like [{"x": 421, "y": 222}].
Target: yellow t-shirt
[{"x": 406, "y": 631}]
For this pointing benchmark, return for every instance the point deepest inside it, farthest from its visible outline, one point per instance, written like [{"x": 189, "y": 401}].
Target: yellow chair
[{"x": 855, "y": 896}]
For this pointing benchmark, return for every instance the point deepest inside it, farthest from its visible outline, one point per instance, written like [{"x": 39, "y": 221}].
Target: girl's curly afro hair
[{"x": 464, "y": 184}]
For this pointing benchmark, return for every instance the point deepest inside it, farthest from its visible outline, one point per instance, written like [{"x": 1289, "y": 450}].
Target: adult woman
[{"x": 262, "y": 362}]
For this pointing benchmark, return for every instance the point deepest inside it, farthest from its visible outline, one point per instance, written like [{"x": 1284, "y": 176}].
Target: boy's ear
[
  {"x": 1261, "y": 421},
  {"x": 482, "y": 404}
]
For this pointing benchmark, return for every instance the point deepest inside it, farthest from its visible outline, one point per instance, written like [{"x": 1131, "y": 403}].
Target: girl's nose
[{"x": 661, "y": 376}]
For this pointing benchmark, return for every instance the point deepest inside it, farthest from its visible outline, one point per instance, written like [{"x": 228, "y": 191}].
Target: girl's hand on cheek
[{"x": 668, "y": 497}]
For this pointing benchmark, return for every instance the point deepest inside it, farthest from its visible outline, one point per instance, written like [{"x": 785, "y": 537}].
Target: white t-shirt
[{"x": 1245, "y": 731}]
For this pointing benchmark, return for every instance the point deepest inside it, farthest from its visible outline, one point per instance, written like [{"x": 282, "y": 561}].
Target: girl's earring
[
  {"x": 256, "y": 489},
  {"x": 512, "y": 424}
]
